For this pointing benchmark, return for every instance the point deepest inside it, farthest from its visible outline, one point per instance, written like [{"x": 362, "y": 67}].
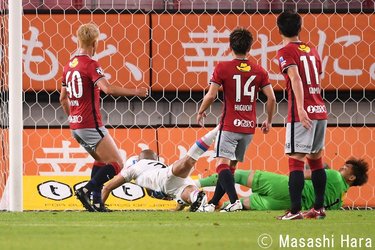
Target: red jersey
[
  {"x": 309, "y": 65},
  {"x": 80, "y": 76},
  {"x": 241, "y": 81}
]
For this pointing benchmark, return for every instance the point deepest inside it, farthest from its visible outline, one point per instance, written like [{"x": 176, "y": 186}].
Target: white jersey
[{"x": 157, "y": 176}]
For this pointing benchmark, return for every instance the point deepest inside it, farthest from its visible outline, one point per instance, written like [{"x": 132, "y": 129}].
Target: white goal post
[{"x": 15, "y": 107}]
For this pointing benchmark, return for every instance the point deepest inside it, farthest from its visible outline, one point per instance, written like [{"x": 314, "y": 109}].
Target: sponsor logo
[
  {"x": 304, "y": 48},
  {"x": 244, "y": 67},
  {"x": 129, "y": 192},
  {"x": 303, "y": 146},
  {"x": 244, "y": 123},
  {"x": 73, "y": 63},
  {"x": 75, "y": 119},
  {"x": 100, "y": 71},
  {"x": 54, "y": 190},
  {"x": 317, "y": 109}
]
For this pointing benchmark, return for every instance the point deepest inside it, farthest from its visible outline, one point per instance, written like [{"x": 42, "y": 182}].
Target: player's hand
[
  {"x": 266, "y": 126},
  {"x": 304, "y": 119},
  {"x": 141, "y": 92},
  {"x": 200, "y": 117}
]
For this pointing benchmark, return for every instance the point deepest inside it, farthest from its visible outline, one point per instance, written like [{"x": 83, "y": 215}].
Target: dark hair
[
  {"x": 289, "y": 23},
  {"x": 240, "y": 41},
  {"x": 359, "y": 170}
]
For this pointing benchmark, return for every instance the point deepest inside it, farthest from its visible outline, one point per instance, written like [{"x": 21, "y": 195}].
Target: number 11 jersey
[{"x": 309, "y": 66}]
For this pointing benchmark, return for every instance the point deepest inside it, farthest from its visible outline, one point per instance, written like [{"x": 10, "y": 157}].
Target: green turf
[{"x": 173, "y": 230}]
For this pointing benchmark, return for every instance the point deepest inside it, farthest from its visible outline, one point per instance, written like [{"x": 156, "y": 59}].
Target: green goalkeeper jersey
[{"x": 336, "y": 187}]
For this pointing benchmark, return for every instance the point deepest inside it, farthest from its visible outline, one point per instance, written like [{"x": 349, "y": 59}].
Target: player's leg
[
  {"x": 243, "y": 142},
  {"x": 97, "y": 191},
  {"x": 107, "y": 152},
  {"x": 182, "y": 168},
  {"x": 318, "y": 174},
  {"x": 298, "y": 144},
  {"x": 242, "y": 177},
  {"x": 89, "y": 139},
  {"x": 193, "y": 196}
]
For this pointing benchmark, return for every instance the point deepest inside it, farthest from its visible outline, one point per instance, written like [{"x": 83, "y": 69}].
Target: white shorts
[
  {"x": 163, "y": 180},
  {"x": 175, "y": 185},
  {"x": 302, "y": 140},
  {"x": 232, "y": 145}
]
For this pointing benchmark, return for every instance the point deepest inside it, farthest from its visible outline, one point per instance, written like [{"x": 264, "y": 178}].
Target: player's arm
[
  {"x": 114, "y": 183},
  {"x": 208, "y": 99},
  {"x": 296, "y": 83},
  {"x": 114, "y": 90},
  {"x": 64, "y": 100},
  {"x": 270, "y": 108}
]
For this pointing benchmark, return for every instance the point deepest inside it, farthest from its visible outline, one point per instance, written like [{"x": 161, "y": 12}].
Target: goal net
[{"x": 172, "y": 47}]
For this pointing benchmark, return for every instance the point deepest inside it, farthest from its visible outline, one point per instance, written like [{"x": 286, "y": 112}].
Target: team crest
[
  {"x": 100, "y": 71},
  {"x": 304, "y": 48},
  {"x": 73, "y": 63},
  {"x": 244, "y": 67},
  {"x": 282, "y": 61}
]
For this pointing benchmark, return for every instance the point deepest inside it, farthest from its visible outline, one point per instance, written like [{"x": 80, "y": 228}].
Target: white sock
[{"x": 203, "y": 144}]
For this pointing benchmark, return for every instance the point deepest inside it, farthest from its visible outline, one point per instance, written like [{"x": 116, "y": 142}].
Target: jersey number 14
[{"x": 247, "y": 89}]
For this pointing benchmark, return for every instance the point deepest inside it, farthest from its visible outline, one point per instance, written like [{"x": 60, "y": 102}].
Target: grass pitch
[{"x": 178, "y": 230}]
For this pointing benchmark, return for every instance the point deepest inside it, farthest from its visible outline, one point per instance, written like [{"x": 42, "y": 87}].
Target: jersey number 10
[{"x": 74, "y": 85}]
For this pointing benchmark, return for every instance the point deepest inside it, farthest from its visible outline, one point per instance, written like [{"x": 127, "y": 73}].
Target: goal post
[{"x": 15, "y": 107}]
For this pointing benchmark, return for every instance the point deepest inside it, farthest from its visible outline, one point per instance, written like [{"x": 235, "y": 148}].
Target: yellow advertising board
[{"x": 57, "y": 193}]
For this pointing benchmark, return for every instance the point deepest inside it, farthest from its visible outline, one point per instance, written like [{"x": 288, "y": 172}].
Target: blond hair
[{"x": 87, "y": 34}]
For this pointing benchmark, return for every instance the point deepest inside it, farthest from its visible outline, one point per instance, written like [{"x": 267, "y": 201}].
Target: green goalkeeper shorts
[{"x": 270, "y": 191}]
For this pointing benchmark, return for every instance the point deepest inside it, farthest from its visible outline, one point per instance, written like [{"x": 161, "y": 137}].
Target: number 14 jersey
[{"x": 241, "y": 80}]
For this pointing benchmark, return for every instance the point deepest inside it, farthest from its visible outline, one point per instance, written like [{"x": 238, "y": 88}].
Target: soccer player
[
  {"x": 307, "y": 115},
  {"x": 241, "y": 79},
  {"x": 270, "y": 190},
  {"x": 83, "y": 78},
  {"x": 173, "y": 181}
]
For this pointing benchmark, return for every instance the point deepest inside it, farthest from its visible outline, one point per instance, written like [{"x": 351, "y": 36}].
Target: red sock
[
  {"x": 116, "y": 166},
  {"x": 99, "y": 163},
  {"x": 295, "y": 165},
  {"x": 315, "y": 164},
  {"x": 222, "y": 167}
]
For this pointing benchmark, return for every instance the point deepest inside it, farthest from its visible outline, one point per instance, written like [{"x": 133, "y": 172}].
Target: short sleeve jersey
[
  {"x": 80, "y": 76},
  {"x": 144, "y": 173},
  {"x": 241, "y": 81},
  {"x": 308, "y": 62},
  {"x": 336, "y": 187}
]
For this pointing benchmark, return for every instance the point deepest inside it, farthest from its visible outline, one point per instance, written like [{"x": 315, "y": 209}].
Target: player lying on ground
[
  {"x": 174, "y": 181},
  {"x": 270, "y": 190}
]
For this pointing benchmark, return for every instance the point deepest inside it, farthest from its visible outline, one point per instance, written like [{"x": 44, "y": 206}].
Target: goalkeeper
[{"x": 270, "y": 191}]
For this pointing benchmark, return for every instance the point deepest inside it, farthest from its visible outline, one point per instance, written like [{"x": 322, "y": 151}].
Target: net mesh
[{"x": 172, "y": 47}]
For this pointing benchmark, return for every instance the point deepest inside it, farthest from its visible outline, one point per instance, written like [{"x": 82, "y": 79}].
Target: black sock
[
  {"x": 219, "y": 192},
  {"x": 296, "y": 183},
  {"x": 102, "y": 175},
  {"x": 319, "y": 179},
  {"x": 97, "y": 190},
  {"x": 226, "y": 180}
]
